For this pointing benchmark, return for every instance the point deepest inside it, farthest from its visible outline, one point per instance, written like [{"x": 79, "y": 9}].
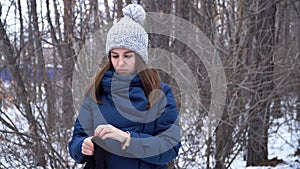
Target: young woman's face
[{"x": 123, "y": 61}]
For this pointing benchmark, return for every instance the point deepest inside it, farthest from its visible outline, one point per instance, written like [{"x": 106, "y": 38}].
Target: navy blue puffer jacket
[{"x": 155, "y": 133}]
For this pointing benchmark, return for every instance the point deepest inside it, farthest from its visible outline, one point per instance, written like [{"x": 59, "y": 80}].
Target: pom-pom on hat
[{"x": 129, "y": 33}]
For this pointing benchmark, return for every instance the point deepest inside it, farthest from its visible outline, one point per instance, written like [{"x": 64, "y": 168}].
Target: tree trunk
[
  {"x": 96, "y": 17},
  {"x": 128, "y": 2},
  {"x": 297, "y": 33},
  {"x": 107, "y": 12},
  {"x": 263, "y": 68},
  {"x": 225, "y": 134},
  {"x": 42, "y": 77},
  {"x": 224, "y": 141},
  {"x": 119, "y": 8},
  {"x": 159, "y": 41},
  {"x": 68, "y": 65}
]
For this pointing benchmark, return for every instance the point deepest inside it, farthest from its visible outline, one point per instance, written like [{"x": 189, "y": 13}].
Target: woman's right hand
[{"x": 87, "y": 147}]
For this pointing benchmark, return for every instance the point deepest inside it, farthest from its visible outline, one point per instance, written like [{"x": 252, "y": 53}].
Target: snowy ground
[{"x": 283, "y": 143}]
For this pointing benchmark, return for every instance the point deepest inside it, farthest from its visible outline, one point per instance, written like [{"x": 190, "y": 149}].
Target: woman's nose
[{"x": 121, "y": 61}]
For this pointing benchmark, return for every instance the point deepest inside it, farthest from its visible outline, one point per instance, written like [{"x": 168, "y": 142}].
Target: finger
[
  {"x": 88, "y": 145},
  {"x": 111, "y": 132},
  {"x": 99, "y": 129},
  {"x": 104, "y": 131},
  {"x": 87, "y": 152},
  {"x": 86, "y": 148},
  {"x": 96, "y": 131}
]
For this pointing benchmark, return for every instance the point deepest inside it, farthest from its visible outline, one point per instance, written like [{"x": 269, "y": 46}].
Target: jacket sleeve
[
  {"x": 76, "y": 142},
  {"x": 163, "y": 146},
  {"x": 82, "y": 129}
]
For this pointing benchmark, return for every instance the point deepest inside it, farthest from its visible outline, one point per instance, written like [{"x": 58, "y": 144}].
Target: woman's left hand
[{"x": 109, "y": 131}]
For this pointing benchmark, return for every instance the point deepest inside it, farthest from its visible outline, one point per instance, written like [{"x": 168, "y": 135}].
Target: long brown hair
[{"x": 149, "y": 76}]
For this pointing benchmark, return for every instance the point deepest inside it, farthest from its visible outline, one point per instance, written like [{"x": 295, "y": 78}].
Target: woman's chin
[{"x": 123, "y": 73}]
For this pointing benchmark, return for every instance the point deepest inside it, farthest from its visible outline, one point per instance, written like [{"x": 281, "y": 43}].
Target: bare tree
[
  {"x": 258, "y": 42},
  {"x": 263, "y": 66},
  {"x": 68, "y": 64}
]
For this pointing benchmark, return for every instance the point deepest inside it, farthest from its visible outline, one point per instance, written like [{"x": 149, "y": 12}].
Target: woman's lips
[{"x": 122, "y": 70}]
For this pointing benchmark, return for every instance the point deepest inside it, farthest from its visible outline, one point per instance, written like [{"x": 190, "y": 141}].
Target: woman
[{"x": 128, "y": 118}]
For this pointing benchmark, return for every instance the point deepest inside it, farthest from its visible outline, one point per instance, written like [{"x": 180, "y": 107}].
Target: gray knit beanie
[{"x": 129, "y": 33}]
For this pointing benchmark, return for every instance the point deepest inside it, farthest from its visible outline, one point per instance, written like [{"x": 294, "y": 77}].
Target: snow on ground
[{"x": 283, "y": 143}]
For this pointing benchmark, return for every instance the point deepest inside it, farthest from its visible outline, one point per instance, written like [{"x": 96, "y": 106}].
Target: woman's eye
[
  {"x": 115, "y": 56},
  {"x": 128, "y": 56}
]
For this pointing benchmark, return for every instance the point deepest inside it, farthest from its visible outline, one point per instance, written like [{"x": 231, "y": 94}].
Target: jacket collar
[{"x": 113, "y": 81}]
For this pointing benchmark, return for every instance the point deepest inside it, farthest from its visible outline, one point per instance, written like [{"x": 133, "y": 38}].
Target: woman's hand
[
  {"x": 87, "y": 147},
  {"x": 109, "y": 131}
]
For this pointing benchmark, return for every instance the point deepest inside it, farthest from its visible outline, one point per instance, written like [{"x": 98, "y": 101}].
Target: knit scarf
[{"x": 126, "y": 94}]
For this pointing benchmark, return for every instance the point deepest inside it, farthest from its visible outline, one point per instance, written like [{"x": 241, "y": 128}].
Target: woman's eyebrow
[
  {"x": 124, "y": 52},
  {"x": 129, "y": 51}
]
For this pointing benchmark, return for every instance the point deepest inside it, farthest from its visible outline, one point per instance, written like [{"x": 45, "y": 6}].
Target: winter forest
[{"x": 257, "y": 42}]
